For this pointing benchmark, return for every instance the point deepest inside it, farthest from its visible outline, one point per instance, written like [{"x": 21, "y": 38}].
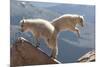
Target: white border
[
  {"x": 4, "y": 33},
  {"x": 5, "y": 38}
]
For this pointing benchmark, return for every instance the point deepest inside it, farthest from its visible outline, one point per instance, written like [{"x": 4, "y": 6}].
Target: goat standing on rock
[
  {"x": 48, "y": 31},
  {"x": 68, "y": 22},
  {"x": 42, "y": 28}
]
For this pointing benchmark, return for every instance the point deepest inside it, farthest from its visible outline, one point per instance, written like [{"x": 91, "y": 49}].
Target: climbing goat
[
  {"x": 44, "y": 29},
  {"x": 68, "y": 22}
]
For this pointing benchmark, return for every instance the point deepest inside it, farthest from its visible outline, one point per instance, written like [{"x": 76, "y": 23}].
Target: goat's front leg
[
  {"x": 37, "y": 40},
  {"x": 74, "y": 29},
  {"x": 77, "y": 31},
  {"x": 37, "y": 43}
]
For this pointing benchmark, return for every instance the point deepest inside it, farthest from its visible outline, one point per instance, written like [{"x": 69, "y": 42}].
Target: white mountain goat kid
[
  {"x": 68, "y": 22},
  {"x": 41, "y": 28}
]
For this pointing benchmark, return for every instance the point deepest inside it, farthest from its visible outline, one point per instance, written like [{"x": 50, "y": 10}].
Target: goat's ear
[
  {"x": 22, "y": 21},
  {"x": 81, "y": 17}
]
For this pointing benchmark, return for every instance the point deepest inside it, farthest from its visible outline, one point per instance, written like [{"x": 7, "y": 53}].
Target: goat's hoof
[
  {"x": 53, "y": 57},
  {"x": 37, "y": 46}
]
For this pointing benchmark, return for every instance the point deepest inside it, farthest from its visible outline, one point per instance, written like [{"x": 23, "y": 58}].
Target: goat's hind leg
[{"x": 54, "y": 52}]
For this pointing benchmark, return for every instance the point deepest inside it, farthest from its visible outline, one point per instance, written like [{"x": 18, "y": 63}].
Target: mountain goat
[
  {"x": 44, "y": 29},
  {"x": 68, "y": 22}
]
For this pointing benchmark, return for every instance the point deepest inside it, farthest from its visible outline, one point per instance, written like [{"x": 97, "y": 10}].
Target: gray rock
[{"x": 88, "y": 57}]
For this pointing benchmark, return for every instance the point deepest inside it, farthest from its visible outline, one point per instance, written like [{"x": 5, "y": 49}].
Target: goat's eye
[
  {"x": 22, "y": 25},
  {"x": 81, "y": 20}
]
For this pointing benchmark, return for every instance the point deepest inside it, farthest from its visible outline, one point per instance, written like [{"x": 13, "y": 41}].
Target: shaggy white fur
[
  {"x": 44, "y": 29},
  {"x": 68, "y": 22}
]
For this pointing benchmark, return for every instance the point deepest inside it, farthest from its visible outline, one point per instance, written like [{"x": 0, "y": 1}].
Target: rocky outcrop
[
  {"x": 88, "y": 57},
  {"x": 24, "y": 53}
]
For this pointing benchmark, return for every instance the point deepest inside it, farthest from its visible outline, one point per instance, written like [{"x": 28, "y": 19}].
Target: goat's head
[
  {"x": 81, "y": 21},
  {"x": 24, "y": 26}
]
